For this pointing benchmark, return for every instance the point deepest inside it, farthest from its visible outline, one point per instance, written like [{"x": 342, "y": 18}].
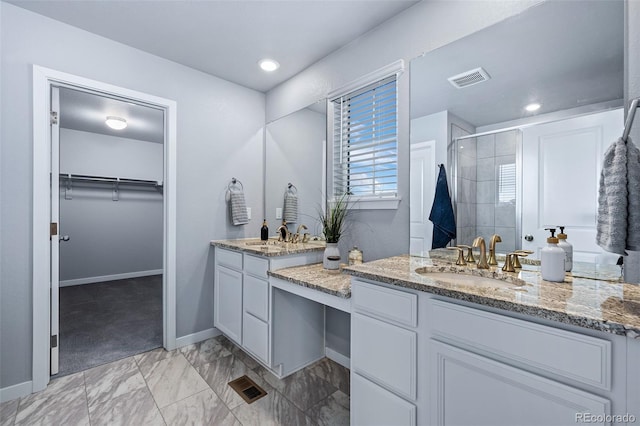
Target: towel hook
[
  {"x": 629, "y": 122},
  {"x": 233, "y": 182},
  {"x": 292, "y": 188}
]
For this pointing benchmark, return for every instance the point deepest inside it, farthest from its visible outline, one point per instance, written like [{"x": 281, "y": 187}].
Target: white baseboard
[
  {"x": 16, "y": 391},
  {"x": 190, "y": 339},
  {"x": 103, "y": 278},
  {"x": 333, "y": 355}
]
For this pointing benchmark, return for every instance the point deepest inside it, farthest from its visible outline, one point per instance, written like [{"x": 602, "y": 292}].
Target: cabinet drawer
[
  {"x": 564, "y": 353},
  {"x": 256, "y": 266},
  {"x": 371, "y": 405},
  {"x": 229, "y": 258},
  {"x": 256, "y": 297},
  {"x": 255, "y": 337},
  {"x": 384, "y": 353},
  {"x": 385, "y": 303}
]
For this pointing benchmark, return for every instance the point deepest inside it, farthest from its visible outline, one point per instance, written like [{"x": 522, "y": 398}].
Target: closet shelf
[{"x": 110, "y": 180}]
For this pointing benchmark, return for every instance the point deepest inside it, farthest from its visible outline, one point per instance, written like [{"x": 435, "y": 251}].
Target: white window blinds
[{"x": 365, "y": 152}]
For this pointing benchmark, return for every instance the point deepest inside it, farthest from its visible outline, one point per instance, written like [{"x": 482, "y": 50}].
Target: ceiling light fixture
[
  {"x": 269, "y": 65},
  {"x": 116, "y": 123},
  {"x": 533, "y": 107}
]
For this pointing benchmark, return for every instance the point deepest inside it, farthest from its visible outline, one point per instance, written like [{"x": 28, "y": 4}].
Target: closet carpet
[{"x": 108, "y": 321}]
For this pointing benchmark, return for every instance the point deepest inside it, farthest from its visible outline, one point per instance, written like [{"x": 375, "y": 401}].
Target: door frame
[{"x": 43, "y": 80}]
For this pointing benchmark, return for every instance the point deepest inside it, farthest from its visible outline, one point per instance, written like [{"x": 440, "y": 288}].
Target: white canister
[
  {"x": 552, "y": 260},
  {"x": 568, "y": 249}
]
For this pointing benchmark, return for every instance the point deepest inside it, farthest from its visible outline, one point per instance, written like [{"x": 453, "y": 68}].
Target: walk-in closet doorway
[
  {"x": 105, "y": 202},
  {"x": 110, "y": 229}
]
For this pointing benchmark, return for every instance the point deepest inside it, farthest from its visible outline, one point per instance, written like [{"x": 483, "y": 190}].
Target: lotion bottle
[
  {"x": 552, "y": 259},
  {"x": 568, "y": 249}
]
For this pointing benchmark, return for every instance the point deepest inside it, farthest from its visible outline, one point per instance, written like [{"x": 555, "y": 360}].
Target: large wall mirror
[
  {"x": 514, "y": 171},
  {"x": 295, "y": 146}
]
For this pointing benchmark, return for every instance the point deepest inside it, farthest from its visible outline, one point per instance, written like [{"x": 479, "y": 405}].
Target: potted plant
[{"x": 333, "y": 221}]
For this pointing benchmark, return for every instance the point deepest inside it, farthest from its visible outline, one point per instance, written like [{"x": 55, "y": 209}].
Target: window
[
  {"x": 507, "y": 183},
  {"x": 365, "y": 142}
]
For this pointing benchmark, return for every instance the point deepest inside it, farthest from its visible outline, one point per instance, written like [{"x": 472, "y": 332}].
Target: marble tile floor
[{"x": 186, "y": 386}]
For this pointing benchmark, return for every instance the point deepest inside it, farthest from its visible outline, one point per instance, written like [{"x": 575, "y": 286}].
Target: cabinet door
[
  {"x": 372, "y": 405},
  {"x": 227, "y": 303},
  {"x": 468, "y": 389}
]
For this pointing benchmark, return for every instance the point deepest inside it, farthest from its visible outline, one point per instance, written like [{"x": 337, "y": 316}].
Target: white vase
[{"x": 332, "y": 252}]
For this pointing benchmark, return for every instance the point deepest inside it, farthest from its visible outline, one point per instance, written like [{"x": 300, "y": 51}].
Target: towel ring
[
  {"x": 292, "y": 188},
  {"x": 234, "y": 182}
]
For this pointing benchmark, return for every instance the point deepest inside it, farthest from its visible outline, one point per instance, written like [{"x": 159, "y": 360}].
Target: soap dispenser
[
  {"x": 568, "y": 249},
  {"x": 264, "y": 231},
  {"x": 552, "y": 259}
]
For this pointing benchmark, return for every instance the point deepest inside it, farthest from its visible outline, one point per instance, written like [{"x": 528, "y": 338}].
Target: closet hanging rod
[
  {"x": 630, "y": 116},
  {"x": 108, "y": 179}
]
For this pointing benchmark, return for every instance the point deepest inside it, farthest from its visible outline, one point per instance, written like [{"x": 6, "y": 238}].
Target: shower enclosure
[{"x": 486, "y": 186}]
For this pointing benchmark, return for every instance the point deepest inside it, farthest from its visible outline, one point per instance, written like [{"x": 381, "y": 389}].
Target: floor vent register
[{"x": 247, "y": 389}]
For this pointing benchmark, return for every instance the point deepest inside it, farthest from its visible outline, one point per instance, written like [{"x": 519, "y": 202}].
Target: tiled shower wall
[{"x": 486, "y": 178}]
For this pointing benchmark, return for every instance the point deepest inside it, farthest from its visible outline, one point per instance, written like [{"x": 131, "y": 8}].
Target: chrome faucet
[
  {"x": 495, "y": 238},
  {"x": 296, "y": 237},
  {"x": 482, "y": 262},
  {"x": 283, "y": 232}
]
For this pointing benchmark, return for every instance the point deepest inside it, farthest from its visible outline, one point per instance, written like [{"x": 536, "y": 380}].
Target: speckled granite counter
[
  {"x": 269, "y": 248},
  {"x": 592, "y": 297},
  {"x": 315, "y": 277}
]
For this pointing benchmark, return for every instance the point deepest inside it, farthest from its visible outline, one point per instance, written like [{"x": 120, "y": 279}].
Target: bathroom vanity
[
  {"x": 262, "y": 314},
  {"x": 440, "y": 352}
]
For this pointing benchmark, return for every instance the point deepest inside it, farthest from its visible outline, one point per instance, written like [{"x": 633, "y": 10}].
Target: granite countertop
[
  {"x": 315, "y": 277},
  {"x": 592, "y": 296},
  {"x": 269, "y": 248}
]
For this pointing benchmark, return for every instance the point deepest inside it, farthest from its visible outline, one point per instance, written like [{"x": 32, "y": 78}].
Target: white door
[
  {"x": 560, "y": 177},
  {"x": 55, "y": 225},
  {"x": 422, "y": 190}
]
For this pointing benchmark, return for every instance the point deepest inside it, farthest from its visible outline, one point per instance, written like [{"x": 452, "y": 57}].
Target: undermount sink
[
  {"x": 469, "y": 278},
  {"x": 263, "y": 243}
]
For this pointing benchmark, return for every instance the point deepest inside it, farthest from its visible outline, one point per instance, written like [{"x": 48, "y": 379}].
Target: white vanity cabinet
[
  {"x": 243, "y": 298},
  {"x": 384, "y": 354},
  {"x": 423, "y": 359}
]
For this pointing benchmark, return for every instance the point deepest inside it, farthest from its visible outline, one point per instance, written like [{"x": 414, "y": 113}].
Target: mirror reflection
[
  {"x": 295, "y": 146},
  {"x": 515, "y": 168}
]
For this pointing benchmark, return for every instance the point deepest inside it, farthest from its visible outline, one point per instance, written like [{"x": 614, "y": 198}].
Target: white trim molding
[
  {"x": 43, "y": 80},
  {"x": 194, "y": 338},
  {"x": 336, "y": 356},
  {"x": 16, "y": 391},
  {"x": 396, "y": 68}
]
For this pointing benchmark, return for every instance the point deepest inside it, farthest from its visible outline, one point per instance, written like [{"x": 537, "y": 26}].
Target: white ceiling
[
  {"x": 227, "y": 38},
  {"x": 563, "y": 54}
]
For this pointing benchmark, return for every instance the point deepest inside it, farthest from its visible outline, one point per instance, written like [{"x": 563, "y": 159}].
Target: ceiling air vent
[{"x": 469, "y": 78}]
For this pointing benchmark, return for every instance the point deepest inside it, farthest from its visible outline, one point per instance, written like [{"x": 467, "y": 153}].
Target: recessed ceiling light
[
  {"x": 533, "y": 107},
  {"x": 269, "y": 65},
  {"x": 116, "y": 123}
]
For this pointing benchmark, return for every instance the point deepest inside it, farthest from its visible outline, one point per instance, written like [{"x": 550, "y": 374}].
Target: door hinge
[
  {"x": 53, "y": 229},
  {"x": 54, "y": 117},
  {"x": 54, "y": 341}
]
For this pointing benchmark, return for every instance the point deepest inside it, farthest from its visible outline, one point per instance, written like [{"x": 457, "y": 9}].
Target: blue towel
[{"x": 444, "y": 221}]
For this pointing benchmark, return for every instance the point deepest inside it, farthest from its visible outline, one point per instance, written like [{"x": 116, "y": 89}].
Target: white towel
[
  {"x": 618, "y": 225},
  {"x": 290, "y": 213},
  {"x": 238, "y": 207}
]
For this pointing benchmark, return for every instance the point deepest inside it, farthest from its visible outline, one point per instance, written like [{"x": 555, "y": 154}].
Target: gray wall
[
  {"x": 220, "y": 127},
  {"x": 421, "y": 28},
  {"x": 109, "y": 237}
]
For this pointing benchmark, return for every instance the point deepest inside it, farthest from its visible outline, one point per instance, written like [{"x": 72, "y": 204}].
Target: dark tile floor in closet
[{"x": 108, "y": 321}]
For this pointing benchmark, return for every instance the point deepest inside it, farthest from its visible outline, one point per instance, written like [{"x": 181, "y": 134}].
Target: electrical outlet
[
  {"x": 279, "y": 213},
  {"x": 249, "y": 212}
]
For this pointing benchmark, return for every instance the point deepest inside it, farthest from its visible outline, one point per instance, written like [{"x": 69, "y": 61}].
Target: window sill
[{"x": 374, "y": 203}]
